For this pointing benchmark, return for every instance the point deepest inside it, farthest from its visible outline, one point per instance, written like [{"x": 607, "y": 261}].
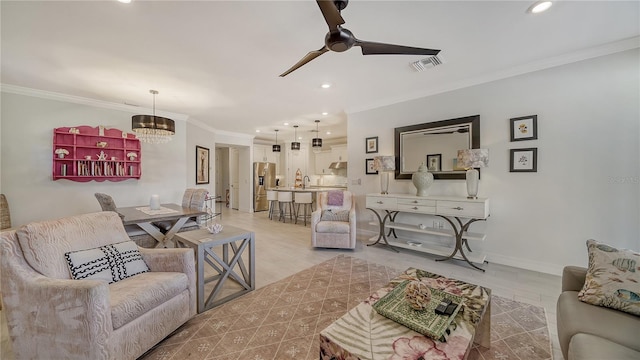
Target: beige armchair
[
  {"x": 328, "y": 226},
  {"x": 52, "y": 316}
]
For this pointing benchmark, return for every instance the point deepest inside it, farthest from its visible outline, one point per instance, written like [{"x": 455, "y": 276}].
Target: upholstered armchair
[
  {"x": 333, "y": 223},
  {"x": 52, "y": 316}
]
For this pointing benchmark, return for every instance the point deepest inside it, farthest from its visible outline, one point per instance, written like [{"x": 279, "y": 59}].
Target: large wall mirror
[{"x": 436, "y": 145}]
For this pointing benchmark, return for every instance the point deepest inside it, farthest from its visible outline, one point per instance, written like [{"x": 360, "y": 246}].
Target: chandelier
[
  {"x": 295, "y": 145},
  {"x": 276, "y": 147},
  {"x": 316, "y": 142},
  {"x": 153, "y": 129}
]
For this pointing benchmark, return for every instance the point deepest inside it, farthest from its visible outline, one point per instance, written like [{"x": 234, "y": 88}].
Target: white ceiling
[{"x": 218, "y": 61}]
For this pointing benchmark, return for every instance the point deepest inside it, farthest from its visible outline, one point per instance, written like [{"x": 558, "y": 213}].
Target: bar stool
[
  {"x": 285, "y": 198},
  {"x": 304, "y": 199},
  {"x": 272, "y": 198}
]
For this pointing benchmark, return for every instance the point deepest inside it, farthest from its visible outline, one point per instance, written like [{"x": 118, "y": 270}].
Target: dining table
[{"x": 144, "y": 217}]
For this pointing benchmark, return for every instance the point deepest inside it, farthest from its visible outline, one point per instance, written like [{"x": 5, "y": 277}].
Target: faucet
[{"x": 304, "y": 181}]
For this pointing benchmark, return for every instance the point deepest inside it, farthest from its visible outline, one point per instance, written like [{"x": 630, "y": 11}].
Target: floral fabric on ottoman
[{"x": 362, "y": 333}]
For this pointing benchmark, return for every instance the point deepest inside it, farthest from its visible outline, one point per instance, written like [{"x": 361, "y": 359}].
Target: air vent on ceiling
[{"x": 427, "y": 63}]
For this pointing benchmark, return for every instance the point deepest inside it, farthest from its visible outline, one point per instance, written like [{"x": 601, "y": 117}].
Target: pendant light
[
  {"x": 316, "y": 143},
  {"x": 295, "y": 145},
  {"x": 151, "y": 128},
  {"x": 276, "y": 147}
]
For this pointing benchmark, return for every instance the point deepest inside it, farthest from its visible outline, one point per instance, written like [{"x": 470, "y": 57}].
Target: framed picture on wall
[
  {"x": 202, "y": 165},
  {"x": 369, "y": 167},
  {"x": 523, "y": 160},
  {"x": 372, "y": 145},
  {"x": 524, "y": 128},
  {"x": 434, "y": 162}
]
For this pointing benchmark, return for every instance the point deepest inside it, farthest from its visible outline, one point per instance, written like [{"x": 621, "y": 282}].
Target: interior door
[{"x": 234, "y": 177}]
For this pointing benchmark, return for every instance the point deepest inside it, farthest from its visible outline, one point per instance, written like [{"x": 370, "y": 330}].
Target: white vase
[
  {"x": 473, "y": 178},
  {"x": 61, "y": 156},
  {"x": 422, "y": 180},
  {"x": 154, "y": 203}
]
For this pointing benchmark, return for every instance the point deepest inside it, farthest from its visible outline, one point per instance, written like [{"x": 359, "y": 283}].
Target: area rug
[{"x": 283, "y": 320}]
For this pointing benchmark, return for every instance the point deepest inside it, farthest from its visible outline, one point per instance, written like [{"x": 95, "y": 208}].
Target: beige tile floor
[{"x": 284, "y": 249}]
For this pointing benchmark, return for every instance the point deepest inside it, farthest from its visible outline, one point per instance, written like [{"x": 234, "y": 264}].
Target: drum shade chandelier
[
  {"x": 276, "y": 147},
  {"x": 316, "y": 142},
  {"x": 151, "y": 128},
  {"x": 295, "y": 145}
]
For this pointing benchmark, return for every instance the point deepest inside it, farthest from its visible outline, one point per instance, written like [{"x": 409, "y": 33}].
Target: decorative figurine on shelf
[
  {"x": 62, "y": 152},
  {"x": 100, "y": 130},
  {"x": 132, "y": 156},
  {"x": 417, "y": 294},
  {"x": 124, "y": 135},
  {"x": 101, "y": 144},
  {"x": 102, "y": 156},
  {"x": 74, "y": 131}
]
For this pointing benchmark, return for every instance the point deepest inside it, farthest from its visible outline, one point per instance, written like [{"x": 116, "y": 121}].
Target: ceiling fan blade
[
  {"x": 374, "y": 48},
  {"x": 331, "y": 14},
  {"x": 310, "y": 56}
]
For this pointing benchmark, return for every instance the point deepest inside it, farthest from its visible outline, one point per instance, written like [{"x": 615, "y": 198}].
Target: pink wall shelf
[{"x": 95, "y": 153}]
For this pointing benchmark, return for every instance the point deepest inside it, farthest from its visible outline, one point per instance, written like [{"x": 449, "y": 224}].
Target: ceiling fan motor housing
[{"x": 340, "y": 40}]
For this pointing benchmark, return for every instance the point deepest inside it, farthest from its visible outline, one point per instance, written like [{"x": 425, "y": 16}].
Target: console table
[{"x": 452, "y": 209}]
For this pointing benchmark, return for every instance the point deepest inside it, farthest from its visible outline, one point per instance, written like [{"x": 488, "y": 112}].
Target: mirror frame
[{"x": 474, "y": 120}]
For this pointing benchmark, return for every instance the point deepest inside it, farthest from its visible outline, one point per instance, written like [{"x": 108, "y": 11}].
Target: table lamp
[
  {"x": 384, "y": 165},
  {"x": 471, "y": 159}
]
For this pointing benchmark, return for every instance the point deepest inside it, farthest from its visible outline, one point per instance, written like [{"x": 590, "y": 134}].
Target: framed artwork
[
  {"x": 372, "y": 145},
  {"x": 434, "y": 162},
  {"x": 202, "y": 165},
  {"x": 523, "y": 160},
  {"x": 524, "y": 128},
  {"x": 369, "y": 167}
]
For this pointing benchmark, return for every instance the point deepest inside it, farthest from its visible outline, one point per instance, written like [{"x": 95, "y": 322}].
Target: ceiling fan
[{"x": 340, "y": 39}]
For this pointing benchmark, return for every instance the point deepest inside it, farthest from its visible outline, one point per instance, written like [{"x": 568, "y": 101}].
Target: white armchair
[
  {"x": 333, "y": 224},
  {"x": 52, "y": 316}
]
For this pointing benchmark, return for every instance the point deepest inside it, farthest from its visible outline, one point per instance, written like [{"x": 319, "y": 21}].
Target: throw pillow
[
  {"x": 329, "y": 215},
  {"x": 335, "y": 198},
  {"x": 613, "y": 278},
  {"x": 110, "y": 263}
]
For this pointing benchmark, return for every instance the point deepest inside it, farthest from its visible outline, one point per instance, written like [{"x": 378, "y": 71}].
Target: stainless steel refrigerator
[{"x": 264, "y": 177}]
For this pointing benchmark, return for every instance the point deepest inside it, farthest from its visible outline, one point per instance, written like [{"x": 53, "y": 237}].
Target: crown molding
[
  {"x": 568, "y": 58},
  {"x": 50, "y": 95}
]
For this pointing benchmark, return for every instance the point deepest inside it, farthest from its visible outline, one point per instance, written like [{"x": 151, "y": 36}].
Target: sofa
[
  {"x": 593, "y": 332},
  {"x": 52, "y": 316}
]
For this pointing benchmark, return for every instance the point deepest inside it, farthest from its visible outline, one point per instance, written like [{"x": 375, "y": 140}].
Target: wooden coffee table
[{"x": 362, "y": 333}]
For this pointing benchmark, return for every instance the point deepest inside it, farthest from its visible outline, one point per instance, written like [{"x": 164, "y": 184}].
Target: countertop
[{"x": 307, "y": 189}]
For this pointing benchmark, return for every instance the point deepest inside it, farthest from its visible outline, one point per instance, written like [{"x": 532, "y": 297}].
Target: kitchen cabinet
[
  {"x": 264, "y": 153},
  {"x": 323, "y": 160},
  {"x": 294, "y": 160},
  {"x": 338, "y": 153}
]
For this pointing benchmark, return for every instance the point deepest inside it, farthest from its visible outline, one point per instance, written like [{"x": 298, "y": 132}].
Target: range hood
[{"x": 338, "y": 165}]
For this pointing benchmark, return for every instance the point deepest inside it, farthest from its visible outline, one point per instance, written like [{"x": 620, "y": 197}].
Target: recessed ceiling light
[
  {"x": 325, "y": 86},
  {"x": 124, "y": 1},
  {"x": 328, "y": 132},
  {"x": 285, "y": 124},
  {"x": 539, "y": 6},
  {"x": 257, "y": 130},
  {"x": 325, "y": 113}
]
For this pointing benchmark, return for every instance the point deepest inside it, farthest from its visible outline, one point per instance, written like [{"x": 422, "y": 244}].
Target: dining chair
[
  {"x": 135, "y": 232},
  {"x": 194, "y": 199},
  {"x": 5, "y": 215}
]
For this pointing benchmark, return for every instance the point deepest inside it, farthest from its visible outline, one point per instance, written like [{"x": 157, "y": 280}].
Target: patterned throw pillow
[
  {"x": 110, "y": 263},
  {"x": 613, "y": 278},
  {"x": 328, "y": 215}
]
